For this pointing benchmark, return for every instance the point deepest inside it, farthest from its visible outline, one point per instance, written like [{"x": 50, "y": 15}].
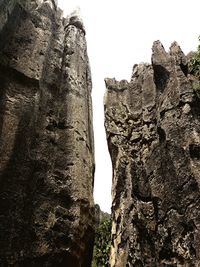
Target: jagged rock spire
[
  {"x": 176, "y": 51},
  {"x": 159, "y": 55},
  {"x": 153, "y": 138}
]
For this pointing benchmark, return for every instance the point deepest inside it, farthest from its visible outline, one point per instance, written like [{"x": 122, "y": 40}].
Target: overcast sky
[{"x": 120, "y": 34}]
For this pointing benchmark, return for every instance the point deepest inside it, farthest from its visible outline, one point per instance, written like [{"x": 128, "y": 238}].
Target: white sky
[{"x": 120, "y": 34}]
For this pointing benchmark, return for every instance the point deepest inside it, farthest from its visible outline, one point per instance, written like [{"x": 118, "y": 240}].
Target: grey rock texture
[
  {"x": 46, "y": 138},
  {"x": 153, "y": 133}
]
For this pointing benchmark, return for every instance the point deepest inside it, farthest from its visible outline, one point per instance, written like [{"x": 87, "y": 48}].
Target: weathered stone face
[
  {"x": 46, "y": 138},
  {"x": 153, "y": 134}
]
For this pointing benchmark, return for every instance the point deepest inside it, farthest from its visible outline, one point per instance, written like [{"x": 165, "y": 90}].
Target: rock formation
[
  {"x": 153, "y": 134},
  {"x": 46, "y": 137}
]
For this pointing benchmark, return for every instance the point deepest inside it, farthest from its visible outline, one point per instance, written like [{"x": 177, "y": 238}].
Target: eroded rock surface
[
  {"x": 153, "y": 134},
  {"x": 46, "y": 138}
]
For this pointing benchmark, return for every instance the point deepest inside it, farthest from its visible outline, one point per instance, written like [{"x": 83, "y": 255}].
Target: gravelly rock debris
[
  {"x": 46, "y": 137},
  {"x": 153, "y": 133}
]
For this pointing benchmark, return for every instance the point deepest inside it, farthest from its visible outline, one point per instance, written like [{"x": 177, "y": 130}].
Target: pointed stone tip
[
  {"x": 159, "y": 55},
  {"x": 75, "y": 18},
  {"x": 158, "y": 46},
  {"x": 157, "y": 42},
  {"x": 175, "y": 44},
  {"x": 175, "y": 48},
  {"x": 176, "y": 52}
]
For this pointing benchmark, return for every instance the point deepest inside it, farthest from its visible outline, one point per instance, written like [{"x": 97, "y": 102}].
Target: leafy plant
[
  {"x": 194, "y": 64},
  {"x": 194, "y": 67},
  {"x": 102, "y": 244},
  {"x": 196, "y": 87}
]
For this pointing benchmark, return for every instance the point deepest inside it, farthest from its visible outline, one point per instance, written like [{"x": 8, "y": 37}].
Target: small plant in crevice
[{"x": 102, "y": 243}]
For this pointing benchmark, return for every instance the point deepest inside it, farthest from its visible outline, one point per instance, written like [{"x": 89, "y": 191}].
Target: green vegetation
[
  {"x": 194, "y": 68},
  {"x": 102, "y": 244},
  {"x": 196, "y": 87},
  {"x": 194, "y": 64}
]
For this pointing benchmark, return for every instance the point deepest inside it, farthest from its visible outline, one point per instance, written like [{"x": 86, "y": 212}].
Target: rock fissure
[{"x": 47, "y": 149}]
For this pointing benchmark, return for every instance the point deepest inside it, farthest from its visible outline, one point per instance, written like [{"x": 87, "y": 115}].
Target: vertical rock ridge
[
  {"x": 153, "y": 137},
  {"x": 46, "y": 143}
]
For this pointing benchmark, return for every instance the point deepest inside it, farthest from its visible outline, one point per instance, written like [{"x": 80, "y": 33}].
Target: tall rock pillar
[
  {"x": 153, "y": 134},
  {"x": 46, "y": 138}
]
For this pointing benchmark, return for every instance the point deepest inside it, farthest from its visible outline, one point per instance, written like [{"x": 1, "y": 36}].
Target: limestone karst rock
[
  {"x": 46, "y": 138},
  {"x": 153, "y": 133}
]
